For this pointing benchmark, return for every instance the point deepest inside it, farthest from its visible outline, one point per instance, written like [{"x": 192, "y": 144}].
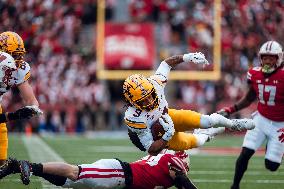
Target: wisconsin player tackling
[
  {"x": 147, "y": 104},
  {"x": 151, "y": 172}
]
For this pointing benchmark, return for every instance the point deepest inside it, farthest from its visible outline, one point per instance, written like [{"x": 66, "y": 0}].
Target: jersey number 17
[{"x": 269, "y": 89}]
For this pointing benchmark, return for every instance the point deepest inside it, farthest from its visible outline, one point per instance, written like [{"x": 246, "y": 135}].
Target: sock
[
  {"x": 214, "y": 120},
  {"x": 37, "y": 169},
  {"x": 241, "y": 165},
  {"x": 201, "y": 139}
]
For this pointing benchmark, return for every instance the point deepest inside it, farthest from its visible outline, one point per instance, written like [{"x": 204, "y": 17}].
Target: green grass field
[{"x": 207, "y": 171}]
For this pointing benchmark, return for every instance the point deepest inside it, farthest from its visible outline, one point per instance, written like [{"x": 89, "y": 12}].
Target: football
[{"x": 157, "y": 130}]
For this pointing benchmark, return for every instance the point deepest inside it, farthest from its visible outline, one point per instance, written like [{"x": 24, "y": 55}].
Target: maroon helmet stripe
[
  {"x": 266, "y": 48},
  {"x": 270, "y": 45}
]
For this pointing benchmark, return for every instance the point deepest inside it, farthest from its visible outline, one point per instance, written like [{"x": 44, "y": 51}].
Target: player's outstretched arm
[
  {"x": 197, "y": 58},
  {"x": 61, "y": 169},
  {"x": 247, "y": 99}
]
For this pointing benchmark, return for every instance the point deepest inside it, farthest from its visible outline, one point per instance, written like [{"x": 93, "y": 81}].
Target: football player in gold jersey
[
  {"x": 147, "y": 104},
  {"x": 16, "y": 74}
]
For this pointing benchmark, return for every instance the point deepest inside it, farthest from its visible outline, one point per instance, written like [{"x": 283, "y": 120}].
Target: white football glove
[
  {"x": 168, "y": 125},
  {"x": 35, "y": 109},
  {"x": 196, "y": 58}
]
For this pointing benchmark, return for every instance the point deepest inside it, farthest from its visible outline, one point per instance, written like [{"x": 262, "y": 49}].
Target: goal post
[{"x": 105, "y": 74}]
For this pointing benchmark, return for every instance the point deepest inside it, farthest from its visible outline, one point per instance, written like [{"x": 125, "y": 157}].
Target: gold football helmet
[
  {"x": 140, "y": 92},
  {"x": 12, "y": 43}
]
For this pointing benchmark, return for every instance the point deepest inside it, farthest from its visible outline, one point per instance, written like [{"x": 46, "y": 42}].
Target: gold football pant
[
  {"x": 3, "y": 140},
  {"x": 184, "y": 120}
]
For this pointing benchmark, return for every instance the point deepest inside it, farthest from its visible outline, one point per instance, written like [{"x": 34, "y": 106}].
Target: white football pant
[
  {"x": 265, "y": 129},
  {"x": 102, "y": 174}
]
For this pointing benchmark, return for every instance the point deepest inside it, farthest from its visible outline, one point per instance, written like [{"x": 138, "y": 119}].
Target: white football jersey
[
  {"x": 140, "y": 121},
  {"x": 16, "y": 77}
]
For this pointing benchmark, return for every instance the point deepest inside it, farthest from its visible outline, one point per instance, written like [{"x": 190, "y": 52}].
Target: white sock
[
  {"x": 201, "y": 139},
  {"x": 214, "y": 120}
]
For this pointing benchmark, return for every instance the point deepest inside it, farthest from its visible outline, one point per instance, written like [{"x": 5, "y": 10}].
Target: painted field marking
[
  {"x": 231, "y": 172},
  {"x": 39, "y": 151},
  {"x": 243, "y": 181}
]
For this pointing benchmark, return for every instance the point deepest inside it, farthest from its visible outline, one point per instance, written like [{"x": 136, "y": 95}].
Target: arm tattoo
[{"x": 174, "y": 60}]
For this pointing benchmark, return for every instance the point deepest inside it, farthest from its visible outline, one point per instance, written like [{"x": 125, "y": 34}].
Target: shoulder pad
[
  {"x": 7, "y": 60},
  {"x": 23, "y": 72}
]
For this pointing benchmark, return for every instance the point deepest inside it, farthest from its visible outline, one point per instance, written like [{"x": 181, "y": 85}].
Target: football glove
[
  {"x": 35, "y": 109},
  {"x": 227, "y": 111},
  {"x": 196, "y": 58},
  {"x": 22, "y": 113},
  {"x": 168, "y": 125},
  {"x": 26, "y": 112}
]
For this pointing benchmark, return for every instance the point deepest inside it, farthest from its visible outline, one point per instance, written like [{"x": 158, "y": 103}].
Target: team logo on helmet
[
  {"x": 140, "y": 92},
  {"x": 12, "y": 43}
]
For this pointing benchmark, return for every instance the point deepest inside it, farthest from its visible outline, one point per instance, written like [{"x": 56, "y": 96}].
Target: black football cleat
[
  {"x": 11, "y": 166},
  {"x": 25, "y": 171}
]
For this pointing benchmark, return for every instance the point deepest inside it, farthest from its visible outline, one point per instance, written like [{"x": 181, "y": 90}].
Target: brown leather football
[{"x": 157, "y": 130}]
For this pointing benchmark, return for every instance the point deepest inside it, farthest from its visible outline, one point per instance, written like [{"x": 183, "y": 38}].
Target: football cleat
[
  {"x": 25, "y": 171},
  {"x": 211, "y": 132},
  {"x": 242, "y": 124},
  {"x": 11, "y": 166}
]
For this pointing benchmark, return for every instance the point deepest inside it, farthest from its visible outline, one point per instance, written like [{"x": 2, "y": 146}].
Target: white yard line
[
  {"x": 231, "y": 172},
  {"x": 243, "y": 181},
  {"x": 194, "y": 180},
  {"x": 39, "y": 151}
]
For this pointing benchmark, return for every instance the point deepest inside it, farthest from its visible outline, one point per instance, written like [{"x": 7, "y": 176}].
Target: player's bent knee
[
  {"x": 247, "y": 152},
  {"x": 270, "y": 165}
]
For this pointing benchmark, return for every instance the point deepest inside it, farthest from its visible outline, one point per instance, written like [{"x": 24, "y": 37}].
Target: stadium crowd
[{"x": 60, "y": 40}]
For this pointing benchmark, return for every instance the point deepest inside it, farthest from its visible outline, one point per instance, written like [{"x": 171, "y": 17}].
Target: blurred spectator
[{"x": 59, "y": 38}]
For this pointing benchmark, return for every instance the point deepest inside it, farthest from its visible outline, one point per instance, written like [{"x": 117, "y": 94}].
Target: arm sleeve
[{"x": 162, "y": 74}]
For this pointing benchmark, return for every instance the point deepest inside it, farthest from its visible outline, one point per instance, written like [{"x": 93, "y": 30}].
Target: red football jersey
[
  {"x": 270, "y": 92},
  {"x": 153, "y": 171}
]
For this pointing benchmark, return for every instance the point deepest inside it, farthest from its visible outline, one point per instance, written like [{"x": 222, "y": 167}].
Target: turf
[{"x": 207, "y": 171}]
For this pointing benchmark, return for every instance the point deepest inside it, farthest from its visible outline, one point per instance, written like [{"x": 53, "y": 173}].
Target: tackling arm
[
  {"x": 61, "y": 169},
  {"x": 245, "y": 101}
]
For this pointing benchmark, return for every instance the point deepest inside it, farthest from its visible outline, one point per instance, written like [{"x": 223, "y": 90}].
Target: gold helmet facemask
[
  {"x": 140, "y": 92},
  {"x": 12, "y": 43}
]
